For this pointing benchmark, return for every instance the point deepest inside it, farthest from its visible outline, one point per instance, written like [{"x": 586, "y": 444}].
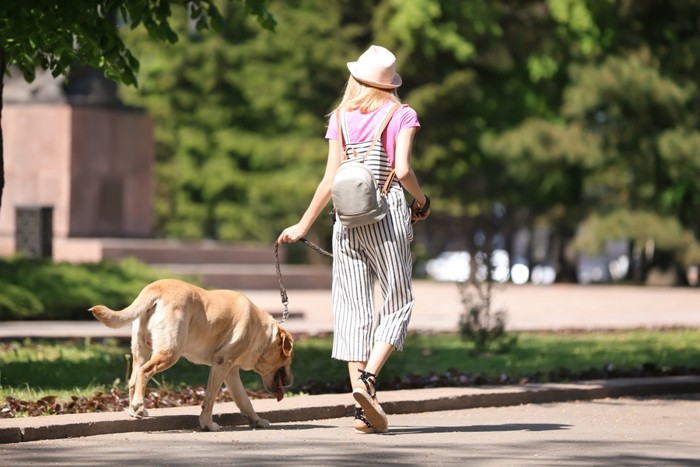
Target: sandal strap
[
  {"x": 360, "y": 415},
  {"x": 369, "y": 378}
]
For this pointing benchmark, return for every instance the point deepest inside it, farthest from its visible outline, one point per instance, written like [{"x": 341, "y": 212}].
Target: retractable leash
[{"x": 283, "y": 291}]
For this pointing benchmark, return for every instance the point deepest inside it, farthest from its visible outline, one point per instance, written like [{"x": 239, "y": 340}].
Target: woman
[{"x": 378, "y": 251}]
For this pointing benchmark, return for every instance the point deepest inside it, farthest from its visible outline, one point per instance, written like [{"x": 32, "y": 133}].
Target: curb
[{"x": 306, "y": 408}]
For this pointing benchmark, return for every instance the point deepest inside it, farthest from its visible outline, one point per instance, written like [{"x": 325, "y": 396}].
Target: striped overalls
[{"x": 366, "y": 254}]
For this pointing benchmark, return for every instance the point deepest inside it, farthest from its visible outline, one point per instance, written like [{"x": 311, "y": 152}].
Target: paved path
[
  {"x": 607, "y": 432},
  {"x": 438, "y": 308}
]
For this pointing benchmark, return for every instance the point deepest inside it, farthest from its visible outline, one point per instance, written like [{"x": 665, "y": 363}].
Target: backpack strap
[
  {"x": 345, "y": 133},
  {"x": 342, "y": 127},
  {"x": 390, "y": 115},
  {"x": 381, "y": 129},
  {"x": 341, "y": 134},
  {"x": 387, "y": 183}
]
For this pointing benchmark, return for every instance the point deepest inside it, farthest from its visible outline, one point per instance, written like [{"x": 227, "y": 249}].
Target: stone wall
[{"x": 93, "y": 165}]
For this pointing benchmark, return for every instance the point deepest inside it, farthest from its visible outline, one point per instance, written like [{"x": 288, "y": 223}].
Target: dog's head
[{"x": 275, "y": 365}]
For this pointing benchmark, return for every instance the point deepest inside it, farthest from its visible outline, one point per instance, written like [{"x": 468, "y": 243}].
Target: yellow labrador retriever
[{"x": 219, "y": 328}]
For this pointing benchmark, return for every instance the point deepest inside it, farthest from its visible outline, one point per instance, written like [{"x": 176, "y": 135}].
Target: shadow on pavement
[{"x": 478, "y": 428}]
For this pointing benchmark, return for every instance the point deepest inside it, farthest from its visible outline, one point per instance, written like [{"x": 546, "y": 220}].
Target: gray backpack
[{"x": 356, "y": 197}]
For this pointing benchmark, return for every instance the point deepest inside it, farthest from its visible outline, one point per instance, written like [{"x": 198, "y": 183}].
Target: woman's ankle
[{"x": 369, "y": 382}]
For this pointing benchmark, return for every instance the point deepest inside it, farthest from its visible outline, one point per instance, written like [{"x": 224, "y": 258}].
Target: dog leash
[{"x": 283, "y": 291}]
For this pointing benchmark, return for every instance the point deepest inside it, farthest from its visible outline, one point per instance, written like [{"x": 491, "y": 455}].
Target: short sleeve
[
  {"x": 405, "y": 117},
  {"x": 332, "y": 130},
  {"x": 408, "y": 117}
]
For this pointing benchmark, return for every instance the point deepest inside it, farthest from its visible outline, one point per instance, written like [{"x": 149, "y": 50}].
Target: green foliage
[
  {"x": 486, "y": 330},
  {"x": 16, "y": 302},
  {"x": 240, "y": 120},
  {"x": 240, "y": 116},
  {"x": 638, "y": 226},
  {"x": 56, "y": 35},
  {"x": 36, "y": 369},
  {"x": 560, "y": 110},
  {"x": 36, "y": 289},
  {"x": 641, "y": 227},
  {"x": 479, "y": 323},
  {"x": 620, "y": 155}
]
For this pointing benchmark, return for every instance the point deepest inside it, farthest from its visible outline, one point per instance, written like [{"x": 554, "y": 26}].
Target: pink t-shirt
[{"x": 362, "y": 127}]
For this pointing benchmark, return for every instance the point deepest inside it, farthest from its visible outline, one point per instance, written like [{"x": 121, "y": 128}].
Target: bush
[
  {"x": 18, "y": 303},
  {"x": 479, "y": 323},
  {"x": 39, "y": 289}
]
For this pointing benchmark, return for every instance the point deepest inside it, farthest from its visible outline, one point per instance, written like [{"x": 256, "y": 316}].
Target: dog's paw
[
  {"x": 210, "y": 427},
  {"x": 138, "y": 411},
  {"x": 260, "y": 423},
  {"x": 206, "y": 422}
]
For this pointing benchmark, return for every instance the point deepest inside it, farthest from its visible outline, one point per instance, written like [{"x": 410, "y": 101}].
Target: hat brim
[{"x": 395, "y": 82}]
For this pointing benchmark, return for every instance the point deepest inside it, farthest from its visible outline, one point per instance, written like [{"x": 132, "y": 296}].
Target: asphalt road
[{"x": 658, "y": 431}]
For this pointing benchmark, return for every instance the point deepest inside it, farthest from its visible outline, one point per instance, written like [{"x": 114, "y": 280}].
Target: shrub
[{"x": 39, "y": 289}]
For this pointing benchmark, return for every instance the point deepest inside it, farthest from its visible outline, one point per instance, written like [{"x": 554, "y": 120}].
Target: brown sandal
[{"x": 373, "y": 412}]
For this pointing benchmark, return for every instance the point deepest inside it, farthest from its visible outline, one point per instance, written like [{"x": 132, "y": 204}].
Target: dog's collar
[{"x": 269, "y": 342}]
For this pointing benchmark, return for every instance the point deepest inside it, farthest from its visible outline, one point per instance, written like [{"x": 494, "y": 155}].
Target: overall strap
[
  {"x": 383, "y": 126},
  {"x": 340, "y": 131},
  {"x": 392, "y": 174},
  {"x": 344, "y": 133}
]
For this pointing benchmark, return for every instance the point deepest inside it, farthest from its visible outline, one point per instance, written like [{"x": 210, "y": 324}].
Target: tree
[
  {"x": 56, "y": 36},
  {"x": 539, "y": 106},
  {"x": 477, "y": 68},
  {"x": 619, "y": 160},
  {"x": 239, "y": 147},
  {"x": 240, "y": 116}
]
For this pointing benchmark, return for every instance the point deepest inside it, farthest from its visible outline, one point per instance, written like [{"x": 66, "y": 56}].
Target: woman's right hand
[
  {"x": 420, "y": 212},
  {"x": 291, "y": 234}
]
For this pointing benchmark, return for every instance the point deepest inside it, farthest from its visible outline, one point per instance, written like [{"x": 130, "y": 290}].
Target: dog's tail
[{"x": 117, "y": 319}]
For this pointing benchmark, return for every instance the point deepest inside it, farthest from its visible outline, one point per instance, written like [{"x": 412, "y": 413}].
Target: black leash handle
[{"x": 278, "y": 270}]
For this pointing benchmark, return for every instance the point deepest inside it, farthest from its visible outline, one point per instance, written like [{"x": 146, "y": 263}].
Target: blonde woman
[{"x": 379, "y": 251}]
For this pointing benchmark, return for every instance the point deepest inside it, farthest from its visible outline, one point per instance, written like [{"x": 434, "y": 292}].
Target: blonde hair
[{"x": 358, "y": 95}]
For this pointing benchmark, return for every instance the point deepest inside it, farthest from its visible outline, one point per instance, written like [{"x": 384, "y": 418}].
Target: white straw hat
[{"x": 376, "y": 67}]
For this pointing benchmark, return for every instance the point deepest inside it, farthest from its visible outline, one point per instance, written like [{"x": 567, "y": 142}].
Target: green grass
[
  {"x": 551, "y": 351},
  {"x": 30, "y": 370}
]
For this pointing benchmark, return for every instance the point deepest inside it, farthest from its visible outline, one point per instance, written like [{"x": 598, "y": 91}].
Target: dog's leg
[
  {"x": 134, "y": 372},
  {"x": 235, "y": 386},
  {"x": 141, "y": 352},
  {"x": 216, "y": 379},
  {"x": 161, "y": 361}
]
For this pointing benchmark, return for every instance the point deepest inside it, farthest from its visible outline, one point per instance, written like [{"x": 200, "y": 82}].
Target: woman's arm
[
  {"x": 404, "y": 172},
  {"x": 319, "y": 201}
]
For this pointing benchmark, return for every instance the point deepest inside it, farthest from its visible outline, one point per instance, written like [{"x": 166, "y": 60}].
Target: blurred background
[
  {"x": 560, "y": 139},
  {"x": 560, "y": 146}
]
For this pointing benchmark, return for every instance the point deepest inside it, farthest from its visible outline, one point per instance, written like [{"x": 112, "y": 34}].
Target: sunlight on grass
[{"x": 31, "y": 370}]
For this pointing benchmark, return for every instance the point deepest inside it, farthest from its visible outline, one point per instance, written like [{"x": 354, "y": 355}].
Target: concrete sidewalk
[{"x": 305, "y": 408}]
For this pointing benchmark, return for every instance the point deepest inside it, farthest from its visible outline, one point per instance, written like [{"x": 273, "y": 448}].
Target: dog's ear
[{"x": 287, "y": 343}]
